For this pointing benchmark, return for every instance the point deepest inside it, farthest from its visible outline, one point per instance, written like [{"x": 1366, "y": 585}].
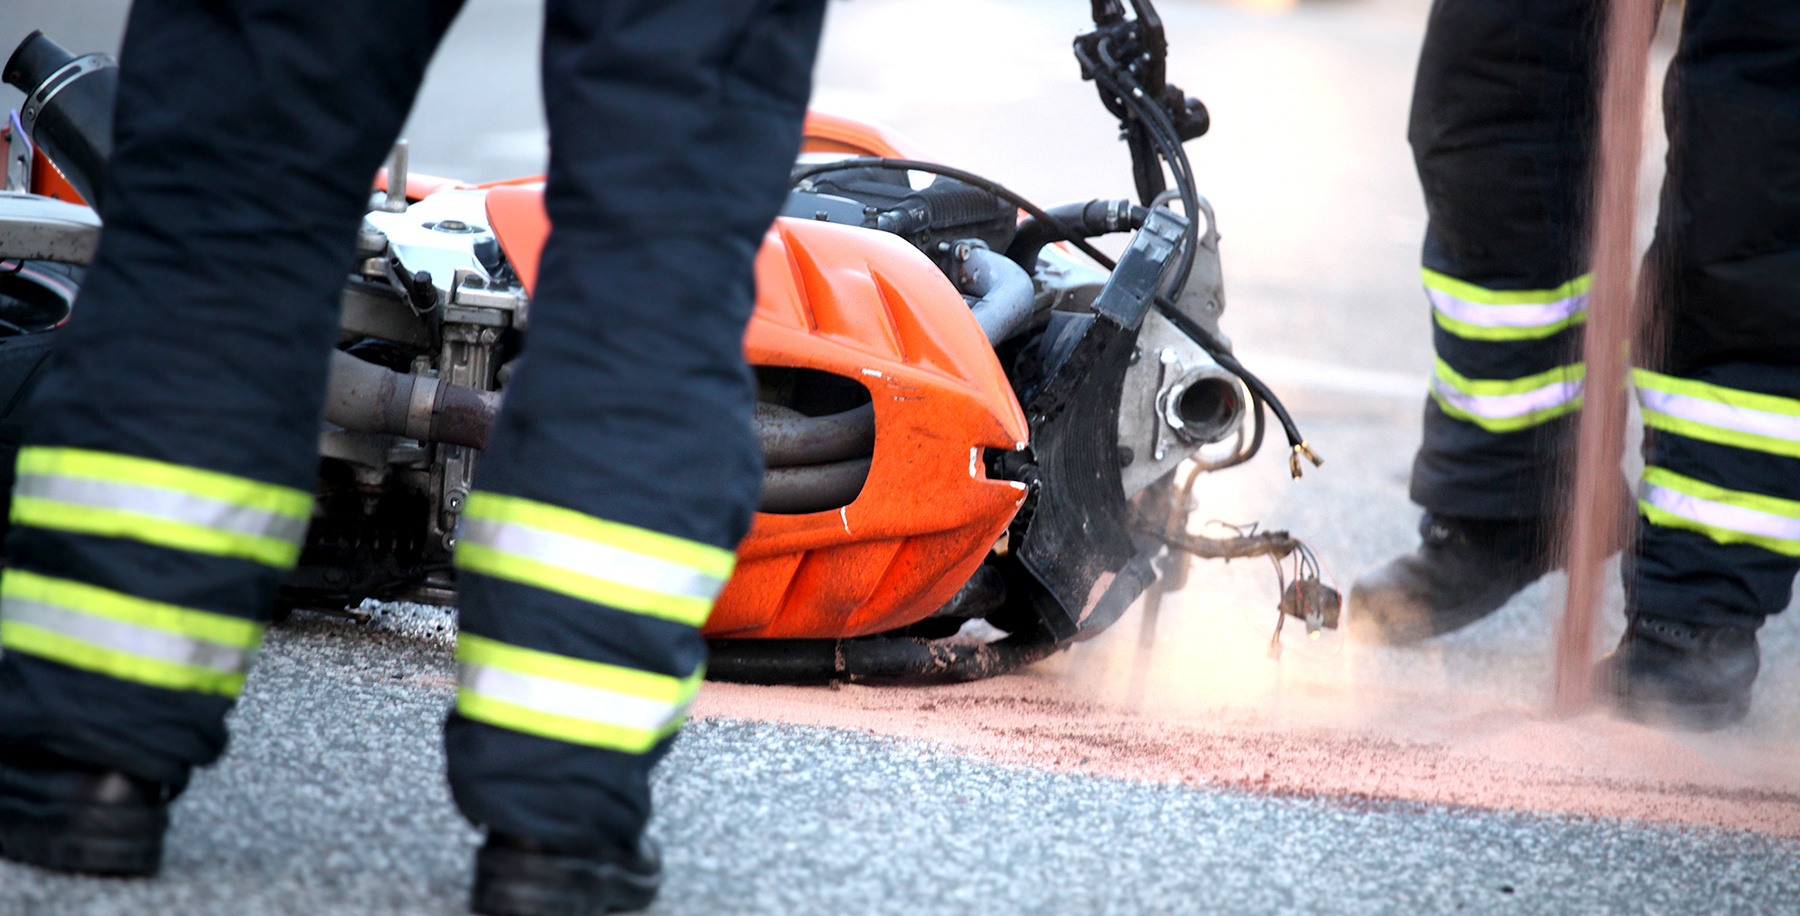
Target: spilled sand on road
[{"x": 1461, "y": 725}]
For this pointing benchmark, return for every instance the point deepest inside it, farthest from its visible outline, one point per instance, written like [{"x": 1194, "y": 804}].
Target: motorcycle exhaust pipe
[
  {"x": 367, "y": 398},
  {"x": 68, "y": 108},
  {"x": 815, "y": 463},
  {"x": 1203, "y": 406},
  {"x": 1005, "y": 298}
]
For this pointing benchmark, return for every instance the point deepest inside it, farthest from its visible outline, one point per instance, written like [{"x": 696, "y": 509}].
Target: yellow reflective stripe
[
  {"x": 517, "y": 718},
  {"x": 150, "y": 529},
  {"x": 1700, "y": 489},
  {"x": 1503, "y": 333},
  {"x": 1726, "y": 516},
  {"x": 31, "y": 640},
  {"x": 1481, "y": 295},
  {"x": 1508, "y": 405},
  {"x": 1721, "y": 435},
  {"x": 480, "y": 559},
  {"x": 704, "y": 558},
  {"x": 1469, "y": 311},
  {"x": 1714, "y": 413},
  {"x": 569, "y": 699},
  {"x": 100, "y": 602},
  {"x": 1735, "y": 397},
  {"x": 480, "y": 650},
  {"x": 241, "y": 491},
  {"x": 1657, "y": 515},
  {"x": 622, "y": 566},
  {"x": 1507, "y": 424},
  {"x": 125, "y": 637},
  {"x": 155, "y": 502},
  {"x": 1486, "y": 388}
]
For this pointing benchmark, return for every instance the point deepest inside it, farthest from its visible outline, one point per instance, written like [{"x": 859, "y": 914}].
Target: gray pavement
[
  {"x": 331, "y": 802},
  {"x": 331, "y": 798}
]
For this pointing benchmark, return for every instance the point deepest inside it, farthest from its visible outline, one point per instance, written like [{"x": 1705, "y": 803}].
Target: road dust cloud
[
  {"x": 1456, "y": 724},
  {"x": 1459, "y": 720}
]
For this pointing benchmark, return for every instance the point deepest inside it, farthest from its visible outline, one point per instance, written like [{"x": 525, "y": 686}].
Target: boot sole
[
  {"x": 89, "y": 839},
  {"x": 509, "y": 883}
]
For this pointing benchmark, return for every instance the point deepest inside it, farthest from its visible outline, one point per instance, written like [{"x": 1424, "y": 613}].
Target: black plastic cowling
[{"x": 74, "y": 125}]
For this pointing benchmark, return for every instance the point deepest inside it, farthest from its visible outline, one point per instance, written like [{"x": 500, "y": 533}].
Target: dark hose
[
  {"x": 1081, "y": 220},
  {"x": 74, "y": 127},
  {"x": 836, "y": 449},
  {"x": 815, "y": 488},
  {"x": 1006, "y": 297},
  {"x": 790, "y": 438}
]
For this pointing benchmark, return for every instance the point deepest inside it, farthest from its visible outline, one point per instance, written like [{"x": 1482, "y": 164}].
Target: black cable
[
  {"x": 1118, "y": 81},
  {"x": 1222, "y": 355},
  {"x": 992, "y": 187}
]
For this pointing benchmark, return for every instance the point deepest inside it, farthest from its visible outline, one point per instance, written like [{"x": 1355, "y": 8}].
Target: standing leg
[
  {"x": 165, "y": 481},
  {"x": 1501, "y": 130},
  {"x": 1721, "y": 493},
  {"x": 623, "y": 470}
]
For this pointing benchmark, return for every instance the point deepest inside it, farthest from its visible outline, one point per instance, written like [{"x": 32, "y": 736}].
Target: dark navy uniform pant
[
  {"x": 164, "y": 484},
  {"x": 1503, "y": 129}
]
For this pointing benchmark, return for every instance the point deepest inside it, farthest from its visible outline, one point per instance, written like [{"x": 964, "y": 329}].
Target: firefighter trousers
[
  {"x": 165, "y": 480},
  {"x": 1502, "y": 130}
]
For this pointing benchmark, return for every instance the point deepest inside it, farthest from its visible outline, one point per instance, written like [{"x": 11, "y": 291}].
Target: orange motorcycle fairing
[
  {"x": 868, "y": 306},
  {"x": 830, "y": 133}
]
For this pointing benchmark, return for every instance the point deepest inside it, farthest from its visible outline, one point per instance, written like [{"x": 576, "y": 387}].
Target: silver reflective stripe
[
  {"x": 574, "y": 701},
  {"x": 1507, "y": 406},
  {"x": 1714, "y": 413},
  {"x": 130, "y": 639},
  {"x": 1720, "y": 515},
  {"x": 162, "y": 503},
  {"x": 1523, "y": 315},
  {"x": 591, "y": 558}
]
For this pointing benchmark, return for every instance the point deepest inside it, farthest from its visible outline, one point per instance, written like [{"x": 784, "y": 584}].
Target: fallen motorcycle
[{"x": 972, "y": 434}]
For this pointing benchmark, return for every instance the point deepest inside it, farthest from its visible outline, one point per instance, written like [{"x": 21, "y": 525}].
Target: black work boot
[
  {"x": 60, "y": 814},
  {"x": 1464, "y": 570},
  {"x": 1692, "y": 676},
  {"x": 519, "y": 877}
]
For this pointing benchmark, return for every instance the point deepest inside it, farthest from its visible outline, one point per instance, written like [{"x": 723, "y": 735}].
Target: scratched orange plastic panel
[{"x": 868, "y": 306}]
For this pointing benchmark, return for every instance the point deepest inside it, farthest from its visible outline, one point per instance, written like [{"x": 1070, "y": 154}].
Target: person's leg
[
  {"x": 623, "y": 469},
  {"x": 166, "y": 477},
  {"x": 1721, "y": 493},
  {"x": 1501, "y": 131}
]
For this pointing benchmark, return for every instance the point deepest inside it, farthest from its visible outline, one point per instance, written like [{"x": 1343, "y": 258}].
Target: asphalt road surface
[{"x": 797, "y": 802}]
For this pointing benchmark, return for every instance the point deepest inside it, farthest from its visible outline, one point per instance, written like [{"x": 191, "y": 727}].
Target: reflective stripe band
[
  {"x": 1714, "y": 413},
  {"x": 1727, "y": 516},
  {"x": 121, "y": 636},
  {"x": 158, "y": 503},
  {"x": 567, "y": 699},
  {"x": 609, "y": 563},
  {"x": 1501, "y": 406},
  {"x": 1478, "y": 313}
]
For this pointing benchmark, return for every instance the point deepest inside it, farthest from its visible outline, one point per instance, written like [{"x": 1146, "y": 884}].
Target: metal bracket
[
  {"x": 64, "y": 75},
  {"x": 396, "y": 180},
  {"x": 20, "y": 155}
]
